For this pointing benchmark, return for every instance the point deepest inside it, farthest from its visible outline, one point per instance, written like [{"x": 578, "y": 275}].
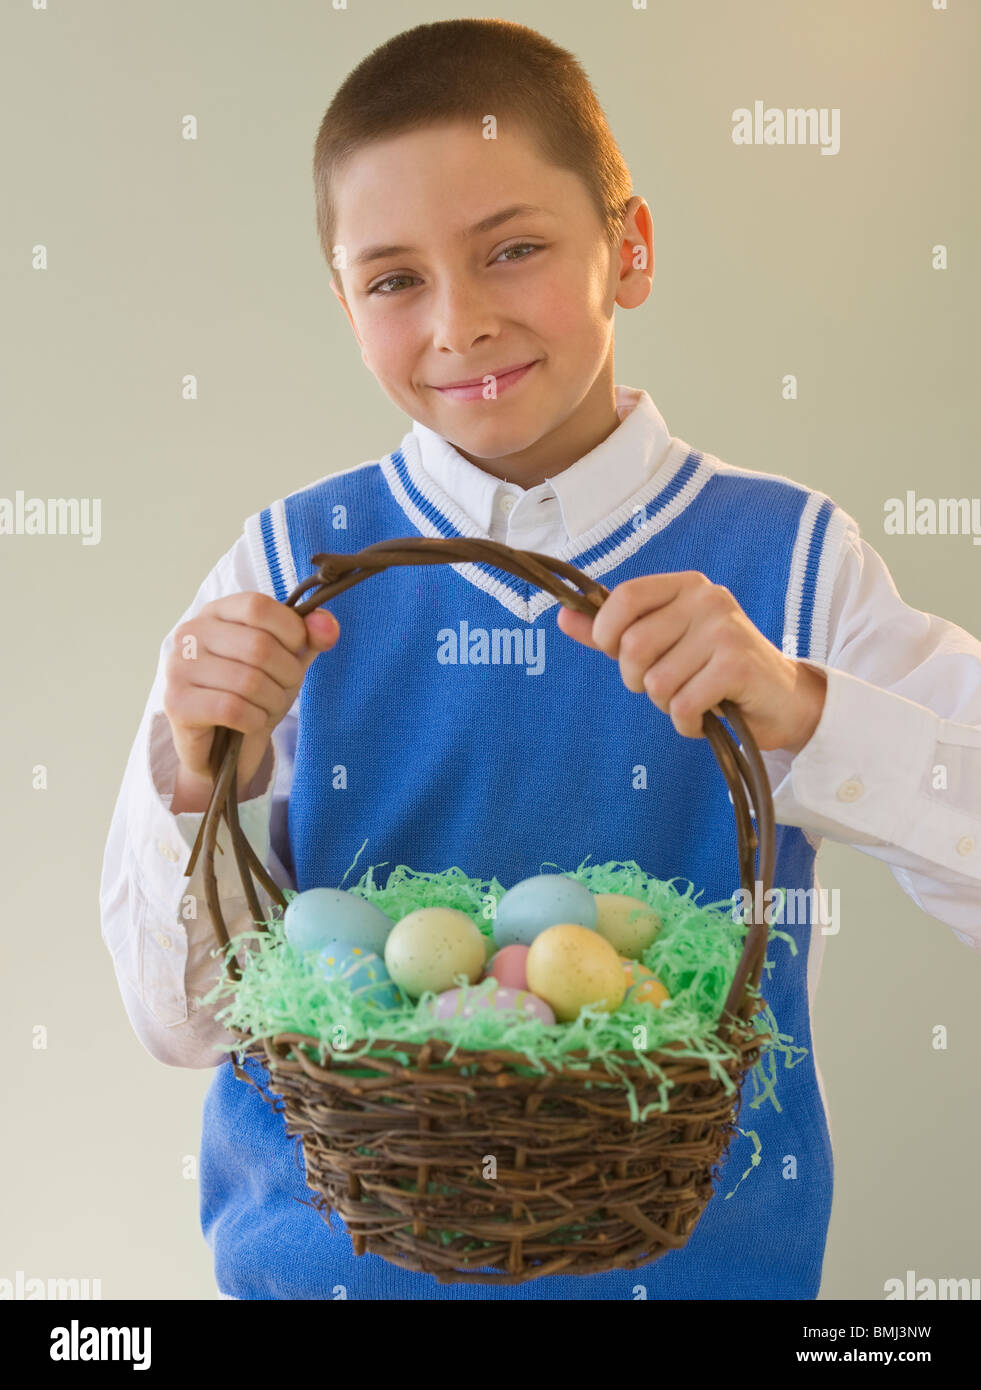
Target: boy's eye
[
  {"x": 518, "y": 246},
  {"x": 381, "y": 283},
  {"x": 521, "y": 246}
]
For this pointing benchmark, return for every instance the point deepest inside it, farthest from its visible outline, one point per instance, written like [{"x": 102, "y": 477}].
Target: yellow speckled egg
[
  {"x": 428, "y": 948},
  {"x": 628, "y": 924},
  {"x": 569, "y": 966}
]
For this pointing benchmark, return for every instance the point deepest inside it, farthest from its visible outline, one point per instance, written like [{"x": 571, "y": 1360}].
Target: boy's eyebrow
[{"x": 486, "y": 224}]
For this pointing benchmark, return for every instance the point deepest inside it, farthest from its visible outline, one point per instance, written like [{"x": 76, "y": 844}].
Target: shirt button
[
  {"x": 850, "y": 790},
  {"x": 506, "y": 502},
  {"x": 167, "y": 851},
  {"x": 965, "y": 845},
  {"x": 163, "y": 940}
]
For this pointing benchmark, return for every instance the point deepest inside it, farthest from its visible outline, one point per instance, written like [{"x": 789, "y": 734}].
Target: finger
[
  {"x": 664, "y": 678},
  {"x": 323, "y": 631},
  {"x": 253, "y": 646},
  {"x": 649, "y": 641},
  {"x": 259, "y": 610},
  {"x": 247, "y": 683},
  {"x": 702, "y": 691},
  {"x": 577, "y": 625},
  {"x": 630, "y": 601},
  {"x": 204, "y": 708}
]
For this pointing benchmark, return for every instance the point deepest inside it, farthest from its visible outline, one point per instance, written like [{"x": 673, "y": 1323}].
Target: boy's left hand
[{"x": 688, "y": 644}]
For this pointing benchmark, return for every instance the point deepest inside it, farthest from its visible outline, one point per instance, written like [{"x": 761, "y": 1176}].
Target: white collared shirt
[
  {"x": 569, "y": 503},
  {"x": 893, "y": 712}
]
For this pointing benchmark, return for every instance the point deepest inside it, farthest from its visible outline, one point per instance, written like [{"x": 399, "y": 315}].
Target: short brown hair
[{"x": 461, "y": 69}]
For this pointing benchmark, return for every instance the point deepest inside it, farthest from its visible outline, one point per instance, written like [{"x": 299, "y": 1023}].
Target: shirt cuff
[{"x": 863, "y": 775}]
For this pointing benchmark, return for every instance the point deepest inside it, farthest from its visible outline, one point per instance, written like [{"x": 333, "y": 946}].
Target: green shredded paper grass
[{"x": 695, "y": 956}]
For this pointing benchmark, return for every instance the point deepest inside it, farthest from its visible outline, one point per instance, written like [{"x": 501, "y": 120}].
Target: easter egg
[
  {"x": 363, "y": 971},
  {"x": 648, "y": 992},
  {"x": 636, "y": 973},
  {"x": 319, "y": 916},
  {"x": 464, "y": 1003},
  {"x": 509, "y": 966},
  {"x": 542, "y": 901},
  {"x": 628, "y": 924},
  {"x": 429, "y": 947},
  {"x": 570, "y": 965}
]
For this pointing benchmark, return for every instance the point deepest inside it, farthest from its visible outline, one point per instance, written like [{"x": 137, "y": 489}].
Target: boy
[{"x": 498, "y": 261}]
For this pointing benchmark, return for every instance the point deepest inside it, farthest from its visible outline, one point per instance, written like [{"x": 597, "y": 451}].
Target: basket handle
[{"x": 742, "y": 768}]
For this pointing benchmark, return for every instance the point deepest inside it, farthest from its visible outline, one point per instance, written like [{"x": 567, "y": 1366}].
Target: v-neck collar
[{"x": 668, "y": 474}]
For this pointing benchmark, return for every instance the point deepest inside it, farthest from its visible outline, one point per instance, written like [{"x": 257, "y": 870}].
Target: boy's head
[{"x": 446, "y": 126}]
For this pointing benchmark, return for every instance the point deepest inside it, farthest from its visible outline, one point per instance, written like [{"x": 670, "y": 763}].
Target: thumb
[
  {"x": 577, "y": 625},
  {"x": 322, "y": 629}
]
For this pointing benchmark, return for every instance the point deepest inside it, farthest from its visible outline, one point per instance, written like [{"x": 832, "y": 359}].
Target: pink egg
[
  {"x": 508, "y": 966},
  {"x": 489, "y": 994}
]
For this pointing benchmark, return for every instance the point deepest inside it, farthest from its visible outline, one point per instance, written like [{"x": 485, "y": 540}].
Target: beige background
[{"x": 168, "y": 257}]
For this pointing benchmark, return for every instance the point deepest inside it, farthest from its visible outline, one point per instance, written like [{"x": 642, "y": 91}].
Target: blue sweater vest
[{"x": 455, "y": 724}]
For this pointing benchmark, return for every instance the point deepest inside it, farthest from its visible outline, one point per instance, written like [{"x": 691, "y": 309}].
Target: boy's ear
[{"x": 635, "y": 273}]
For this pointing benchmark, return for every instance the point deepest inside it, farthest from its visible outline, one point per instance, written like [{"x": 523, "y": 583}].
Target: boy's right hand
[{"x": 239, "y": 663}]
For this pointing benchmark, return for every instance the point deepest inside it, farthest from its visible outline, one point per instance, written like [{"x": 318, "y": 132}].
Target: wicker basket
[{"x": 399, "y": 1155}]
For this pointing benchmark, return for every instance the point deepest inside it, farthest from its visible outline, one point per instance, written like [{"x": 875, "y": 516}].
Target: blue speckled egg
[
  {"x": 321, "y": 915},
  {"x": 363, "y": 970},
  {"x": 540, "y": 902}
]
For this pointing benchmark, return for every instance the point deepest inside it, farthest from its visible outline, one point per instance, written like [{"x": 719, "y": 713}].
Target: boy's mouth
[{"x": 474, "y": 390}]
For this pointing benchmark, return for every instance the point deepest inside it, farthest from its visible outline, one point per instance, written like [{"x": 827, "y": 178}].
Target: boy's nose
[
  {"x": 462, "y": 320},
  {"x": 463, "y": 344}
]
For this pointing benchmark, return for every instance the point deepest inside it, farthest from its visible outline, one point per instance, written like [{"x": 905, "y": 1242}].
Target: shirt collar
[{"x": 588, "y": 490}]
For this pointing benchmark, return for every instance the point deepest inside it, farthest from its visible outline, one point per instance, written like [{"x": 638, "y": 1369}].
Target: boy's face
[{"x": 444, "y": 304}]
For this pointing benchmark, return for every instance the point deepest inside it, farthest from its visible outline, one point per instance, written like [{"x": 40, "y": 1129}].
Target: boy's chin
[{"x": 490, "y": 442}]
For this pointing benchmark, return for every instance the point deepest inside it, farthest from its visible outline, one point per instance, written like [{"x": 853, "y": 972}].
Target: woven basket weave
[{"x": 579, "y": 1188}]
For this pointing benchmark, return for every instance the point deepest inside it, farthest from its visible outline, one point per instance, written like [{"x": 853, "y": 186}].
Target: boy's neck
[{"x": 593, "y": 420}]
